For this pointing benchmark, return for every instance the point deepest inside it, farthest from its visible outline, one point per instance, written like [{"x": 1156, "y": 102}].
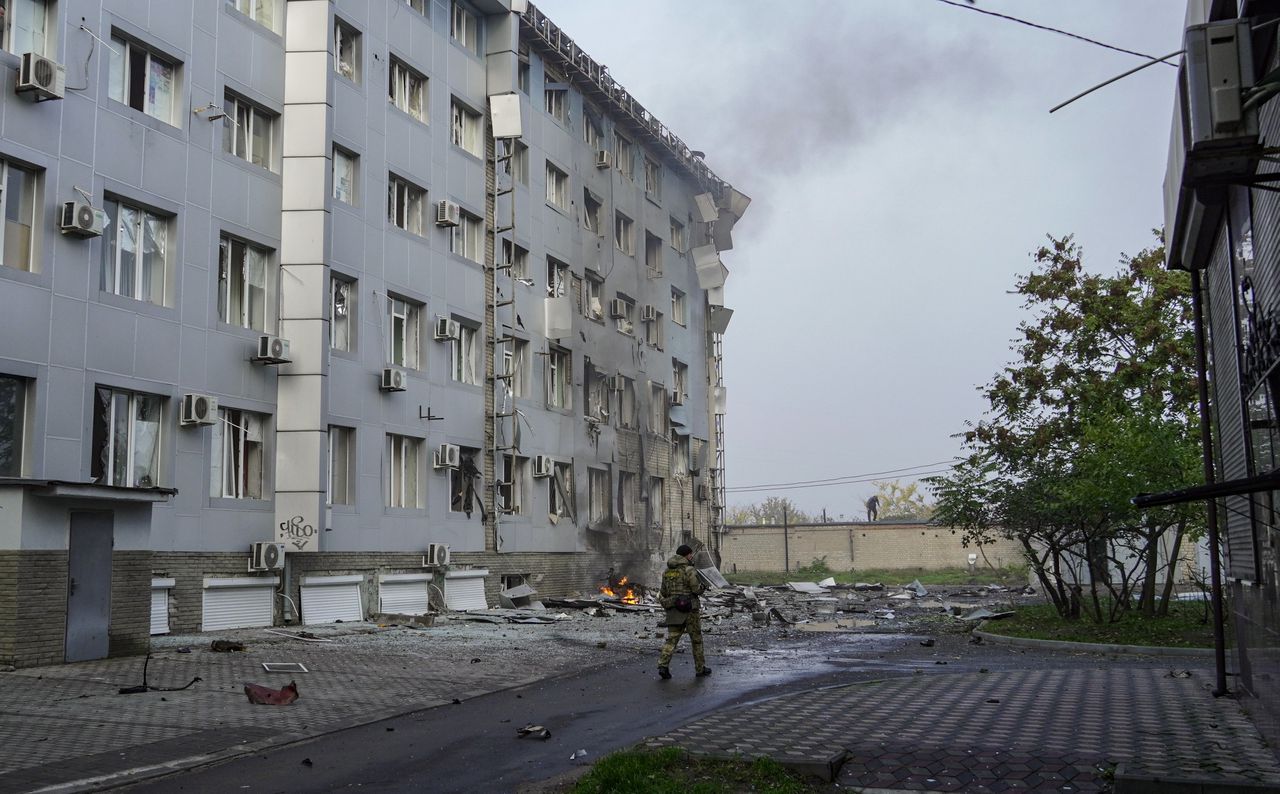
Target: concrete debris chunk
[
  {"x": 884, "y": 614},
  {"x": 533, "y": 732},
  {"x": 865, "y": 586},
  {"x": 830, "y": 581},
  {"x": 805, "y": 587},
  {"x": 918, "y": 589}
]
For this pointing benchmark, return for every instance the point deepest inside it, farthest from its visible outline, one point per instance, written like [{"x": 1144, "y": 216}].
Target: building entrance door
[{"x": 89, "y": 585}]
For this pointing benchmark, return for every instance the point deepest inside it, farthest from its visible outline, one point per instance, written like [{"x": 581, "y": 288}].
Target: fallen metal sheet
[
  {"x": 986, "y": 614},
  {"x": 805, "y": 587},
  {"x": 830, "y": 581},
  {"x": 285, "y": 667},
  {"x": 712, "y": 576}
]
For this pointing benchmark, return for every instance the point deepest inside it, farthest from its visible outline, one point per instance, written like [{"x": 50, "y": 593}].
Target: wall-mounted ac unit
[
  {"x": 272, "y": 350},
  {"x": 448, "y": 456},
  {"x": 618, "y": 308},
  {"x": 677, "y": 398},
  {"x": 437, "y": 555},
  {"x": 615, "y": 382},
  {"x": 648, "y": 313},
  {"x": 392, "y": 379},
  {"x": 80, "y": 219},
  {"x": 543, "y": 466},
  {"x": 198, "y": 409},
  {"x": 447, "y": 329},
  {"x": 604, "y": 158},
  {"x": 448, "y": 213},
  {"x": 41, "y": 76},
  {"x": 702, "y": 493},
  {"x": 266, "y": 556}
]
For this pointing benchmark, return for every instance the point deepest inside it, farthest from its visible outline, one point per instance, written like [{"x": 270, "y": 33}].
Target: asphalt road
[{"x": 473, "y": 746}]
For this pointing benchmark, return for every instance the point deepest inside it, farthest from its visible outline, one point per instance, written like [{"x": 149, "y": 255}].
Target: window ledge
[
  {"x": 250, "y": 167},
  {"x": 229, "y": 503}
]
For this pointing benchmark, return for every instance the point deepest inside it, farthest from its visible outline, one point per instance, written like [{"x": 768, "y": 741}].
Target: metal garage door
[
  {"x": 238, "y": 603},
  {"x": 403, "y": 593},
  {"x": 328, "y": 599},
  {"x": 465, "y": 589},
  {"x": 160, "y": 605}
]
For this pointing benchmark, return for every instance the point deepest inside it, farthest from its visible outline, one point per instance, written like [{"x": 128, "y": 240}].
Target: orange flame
[{"x": 628, "y": 594}]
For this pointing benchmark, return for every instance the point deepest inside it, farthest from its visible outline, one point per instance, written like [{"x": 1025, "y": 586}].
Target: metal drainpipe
[{"x": 1206, "y": 442}]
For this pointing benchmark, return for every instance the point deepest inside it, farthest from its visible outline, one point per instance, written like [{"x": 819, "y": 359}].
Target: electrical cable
[
  {"x": 969, "y": 7},
  {"x": 826, "y": 484},
  {"x": 841, "y": 479}
]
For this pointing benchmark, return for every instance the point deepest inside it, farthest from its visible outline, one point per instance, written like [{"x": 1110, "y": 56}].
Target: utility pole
[{"x": 786, "y": 543}]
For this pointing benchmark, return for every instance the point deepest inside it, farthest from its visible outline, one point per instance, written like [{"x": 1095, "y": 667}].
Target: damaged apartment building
[{"x": 319, "y": 309}]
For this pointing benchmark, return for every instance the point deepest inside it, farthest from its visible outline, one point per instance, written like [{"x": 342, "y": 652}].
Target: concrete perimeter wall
[{"x": 857, "y": 546}]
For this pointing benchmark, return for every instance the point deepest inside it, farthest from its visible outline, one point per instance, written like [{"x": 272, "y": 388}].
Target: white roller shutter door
[
  {"x": 404, "y": 594},
  {"x": 160, "y": 605},
  {"x": 465, "y": 589},
  {"x": 328, "y": 599},
  {"x": 238, "y": 603}
]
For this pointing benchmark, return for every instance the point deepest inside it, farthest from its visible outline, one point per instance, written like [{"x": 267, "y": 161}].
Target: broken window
[
  {"x": 403, "y": 333},
  {"x": 598, "y": 496},
  {"x": 592, "y": 131},
  {"x": 464, "y": 491},
  {"x": 624, "y": 312},
  {"x": 463, "y": 353},
  {"x": 243, "y": 283},
  {"x": 624, "y": 156},
  {"x": 517, "y": 257},
  {"x": 402, "y": 471},
  {"x": 407, "y": 90},
  {"x": 560, "y": 491},
  {"x": 556, "y": 102},
  {"x": 626, "y": 497},
  {"x": 406, "y": 205},
  {"x": 595, "y": 387},
  {"x": 557, "y": 278},
  {"x": 518, "y": 165},
  {"x": 515, "y": 357},
  {"x": 466, "y": 28},
  {"x": 624, "y": 233},
  {"x": 341, "y": 310},
  {"x": 679, "y": 381},
  {"x": 653, "y": 253},
  {"x": 657, "y": 408},
  {"x": 559, "y": 378},
  {"x": 466, "y": 128},
  {"x": 627, "y": 404},
  {"x": 341, "y": 484},
  {"x": 467, "y": 238},
  {"x": 653, "y": 330},
  {"x": 126, "y": 435},
  {"x": 141, "y": 79},
  {"x": 557, "y": 187},
  {"x": 652, "y": 179},
  {"x": 657, "y": 508},
  {"x": 679, "y": 455},
  {"x": 346, "y": 50},
  {"x": 678, "y": 239},
  {"x": 592, "y": 307},
  {"x": 677, "y": 306},
  {"x": 511, "y": 488},
  {"x": 237, "y": 440},
  {"x": 591, "y": 207},
  {"x": 344, "y": 175}
]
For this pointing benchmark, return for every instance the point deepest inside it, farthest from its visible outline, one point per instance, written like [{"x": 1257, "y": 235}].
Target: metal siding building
[{"x": 278, "y": 169}]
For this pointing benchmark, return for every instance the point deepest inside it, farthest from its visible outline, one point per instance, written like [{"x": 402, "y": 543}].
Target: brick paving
[{"x": 1019, "y": 730}]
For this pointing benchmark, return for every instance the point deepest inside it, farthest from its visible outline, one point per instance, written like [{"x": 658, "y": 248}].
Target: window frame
[
  {"x": 465, "y": 27},
  {"x": 555, "y": 101},
  {"x": 342, "y": 304},
  {"x": 40, "y": 36},
  {"x": 240, "y": 126},
  {"x": 466, "y": 128},
  {"x": 678, "y": 233},
  {"x": 406, "y": 205},
  {"x": 515, "y": 365},
  {"x": 653, "y": 251},
  {"x": 352, "y": 193},
  {"x": 593, "y": 297},
  {"x": 626, "y": 324},
  {"x": 653, "y": 331},
  {"x": 559, "y": 378},
  {"x": 106, "y": 435},
  {"x": 678, "y": 307},
  {"x": 351, "y": 66},
  {"x": 463, "y": 354},
  {"x": 14, "y": 433},
  {"x": 557, "y": 187},
  {"x": 403, "y": 83},
  {"x": 403, "y": 460},
  {"x": 656, "y": 489},
  {"x": 252, "y": 11},
  {"x": 626, "y": 500},
  {"x": 121, "y": 85},
  {"x": 341, "y": 440},
  {"x": 592, "y": 208},
  {"x": 241, "y": 470},
  {"x": 624, "y": 156},
  {"x": 557, "y": 278},
  {"x": 13, "y": 229},
  {"x": 111, "y": 273},
  {"x": 624, "y": 232},
  {"x": 404, "y": 326},
  {"x": 658, "y": 420},
  {"x": 467, "y": 238},
  {"x": 517, "y": 257},
  {"x": 512, "y": 485},
  {"x": 261, "y": 318},
  {"x": 599, "y": 491},
  {"x": 562, "y": 471},
  {"x": 652, "y": 179}
]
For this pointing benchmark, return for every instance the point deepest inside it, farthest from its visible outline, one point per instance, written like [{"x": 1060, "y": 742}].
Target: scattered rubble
[{"x": 533, "y": 732}]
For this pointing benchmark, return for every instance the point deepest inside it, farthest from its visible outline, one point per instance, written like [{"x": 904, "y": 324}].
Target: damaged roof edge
[{"x": 549, "y": 40}]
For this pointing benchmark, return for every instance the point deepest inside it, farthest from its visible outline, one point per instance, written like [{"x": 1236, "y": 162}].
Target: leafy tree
[
  {"x": 1098, "y": 406},
  {"x": 902, "y": 502},
  {"x": 770, "y": 511}
]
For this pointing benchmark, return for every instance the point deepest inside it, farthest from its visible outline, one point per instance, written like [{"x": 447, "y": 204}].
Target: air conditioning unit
[
  {"x": 437, "y": 555},
  {"x": 543, "y": 466},
  {"x": 677, "y": 398},
  {"x": 448, "y": 456},
  {"x": 648, "y": 313},
  {"x": 604, "y": 158},
  {"x": 80, "y": 219},
  {"x": 447, "y": 329},
  {"x": 615, "y": 382},
  {"x": 198, "y": 409},
  {"x": 702, "y": 493},
  {"x": 272, "y": 350},
  {"x": 266, "y": 556},
  {"x": 618, "y": 307},
  {"x": 392, "y": 379},
  {"x": 41, "y": 76},
  {"x": 448, "y": 213}
]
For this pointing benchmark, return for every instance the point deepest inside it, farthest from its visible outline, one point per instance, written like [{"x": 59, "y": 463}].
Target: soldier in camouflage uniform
[{"x": 679, "y": 597}]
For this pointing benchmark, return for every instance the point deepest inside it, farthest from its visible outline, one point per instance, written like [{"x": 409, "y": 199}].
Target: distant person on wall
[
  {"x": 679, "y": 597},
  {"x": 873, "y": 508}
]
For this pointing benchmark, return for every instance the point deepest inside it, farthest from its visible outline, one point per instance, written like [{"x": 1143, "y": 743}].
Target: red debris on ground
[{"x": 266, "y": 696}]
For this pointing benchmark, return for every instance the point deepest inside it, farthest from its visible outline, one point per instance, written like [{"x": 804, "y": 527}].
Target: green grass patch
[
  {"x": 673, "y": 771},
  {"x": 1010, "y": 577},
  {"x": 1187, "y": 626}
]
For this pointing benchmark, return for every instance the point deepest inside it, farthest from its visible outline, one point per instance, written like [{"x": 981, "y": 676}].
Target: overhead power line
[
  {"x": 1086, "y": 39},
  {"x": 937, "y": 468}
]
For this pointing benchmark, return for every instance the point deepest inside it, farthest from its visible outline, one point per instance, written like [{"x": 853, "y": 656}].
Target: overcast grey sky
[{"x": 903, "y": 166}]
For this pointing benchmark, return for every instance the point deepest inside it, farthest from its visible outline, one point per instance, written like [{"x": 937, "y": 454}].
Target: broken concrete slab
[
  {"x": 830, "y": 581},
  {"x": 519, "y": 597},
  {"x": 918, "y": 589},
  {"x": 866, "y": 586},
  {"x": 982, "y": 613},
  {"x": 805, "y": 587}
]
